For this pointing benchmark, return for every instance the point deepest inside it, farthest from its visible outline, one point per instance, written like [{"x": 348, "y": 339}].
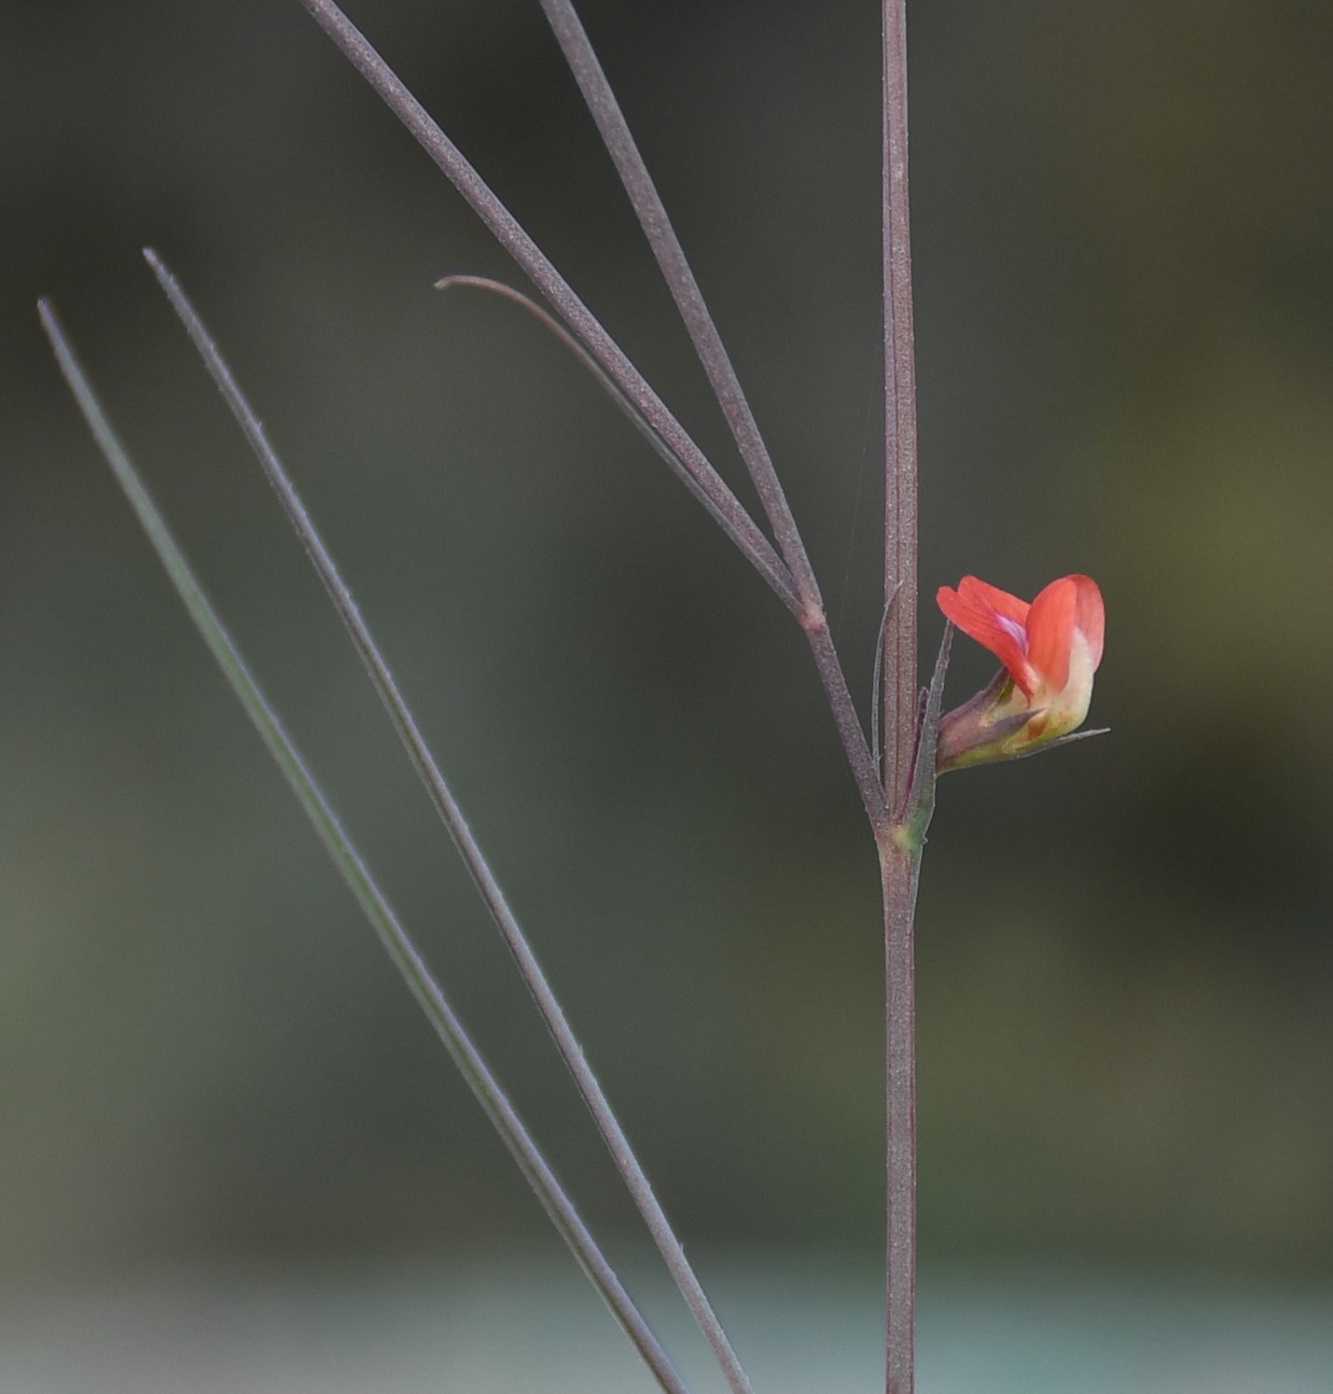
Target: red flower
[{"x": 1050, "y": 650}]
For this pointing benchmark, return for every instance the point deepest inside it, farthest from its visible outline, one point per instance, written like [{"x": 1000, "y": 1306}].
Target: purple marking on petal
[{"x": 1016, "y": 631}]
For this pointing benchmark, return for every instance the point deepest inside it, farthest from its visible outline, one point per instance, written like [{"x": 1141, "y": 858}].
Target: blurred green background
[{"x": 1123, "y": 240}]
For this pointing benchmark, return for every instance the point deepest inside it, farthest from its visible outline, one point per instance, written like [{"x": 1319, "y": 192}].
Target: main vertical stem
[
  {"x": 898, "y": 871},
  {"x": 899, "y": 860}
]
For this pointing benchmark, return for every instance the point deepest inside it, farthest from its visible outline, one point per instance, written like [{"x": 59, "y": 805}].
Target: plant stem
[
  {"x": 384, "y": 920},
  {"x": 900, "y": 858},
  {"x": 451, "y": 814},
  {"x": 899, "y": 869}
]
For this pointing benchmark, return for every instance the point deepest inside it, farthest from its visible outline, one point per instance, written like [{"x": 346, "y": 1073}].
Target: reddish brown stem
[
  {"x": 900, "y": 853},
  {"x": 899, "y": 867}
]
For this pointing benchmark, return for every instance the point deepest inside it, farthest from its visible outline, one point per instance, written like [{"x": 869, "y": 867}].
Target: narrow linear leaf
[
  {"x": 511, "y": 235},
  {"x": 451, "y": 815},
  {"x": 374, "y": 904}
]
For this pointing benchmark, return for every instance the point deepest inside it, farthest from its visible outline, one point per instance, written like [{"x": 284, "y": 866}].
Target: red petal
[
  {"x": 1051, "y": 631},
  {"x": 993, "y": 598},
  {"x": 981, "y": 612},
  {"x": 1090, "y": 615}
]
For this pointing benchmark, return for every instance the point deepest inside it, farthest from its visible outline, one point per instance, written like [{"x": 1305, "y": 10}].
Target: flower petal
[
  {"x": 997, "y": 621},
  {"x": 1090, "y": 616},
  {"x": 1051, "y": 631},
  {"x": 1010, "y": 606}
]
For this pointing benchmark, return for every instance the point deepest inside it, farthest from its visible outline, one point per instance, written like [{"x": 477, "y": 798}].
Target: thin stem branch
[
  {"x": 641, "y": 423},
  {"x": 899, "y": 859},
  {"x": 447, "y": 807},
  {"x": 681, "y": 282},
  {"x": 864, "y": 766},
  {"x": 385, "y": 922},
  {"x": 737, "y": 523},
  {"x": 847, "y": 721},
  {"x": 684, "y": 288}
]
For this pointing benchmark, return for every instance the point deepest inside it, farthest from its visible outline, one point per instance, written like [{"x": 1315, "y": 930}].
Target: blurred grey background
[{"x": 1123, "y": 239}]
